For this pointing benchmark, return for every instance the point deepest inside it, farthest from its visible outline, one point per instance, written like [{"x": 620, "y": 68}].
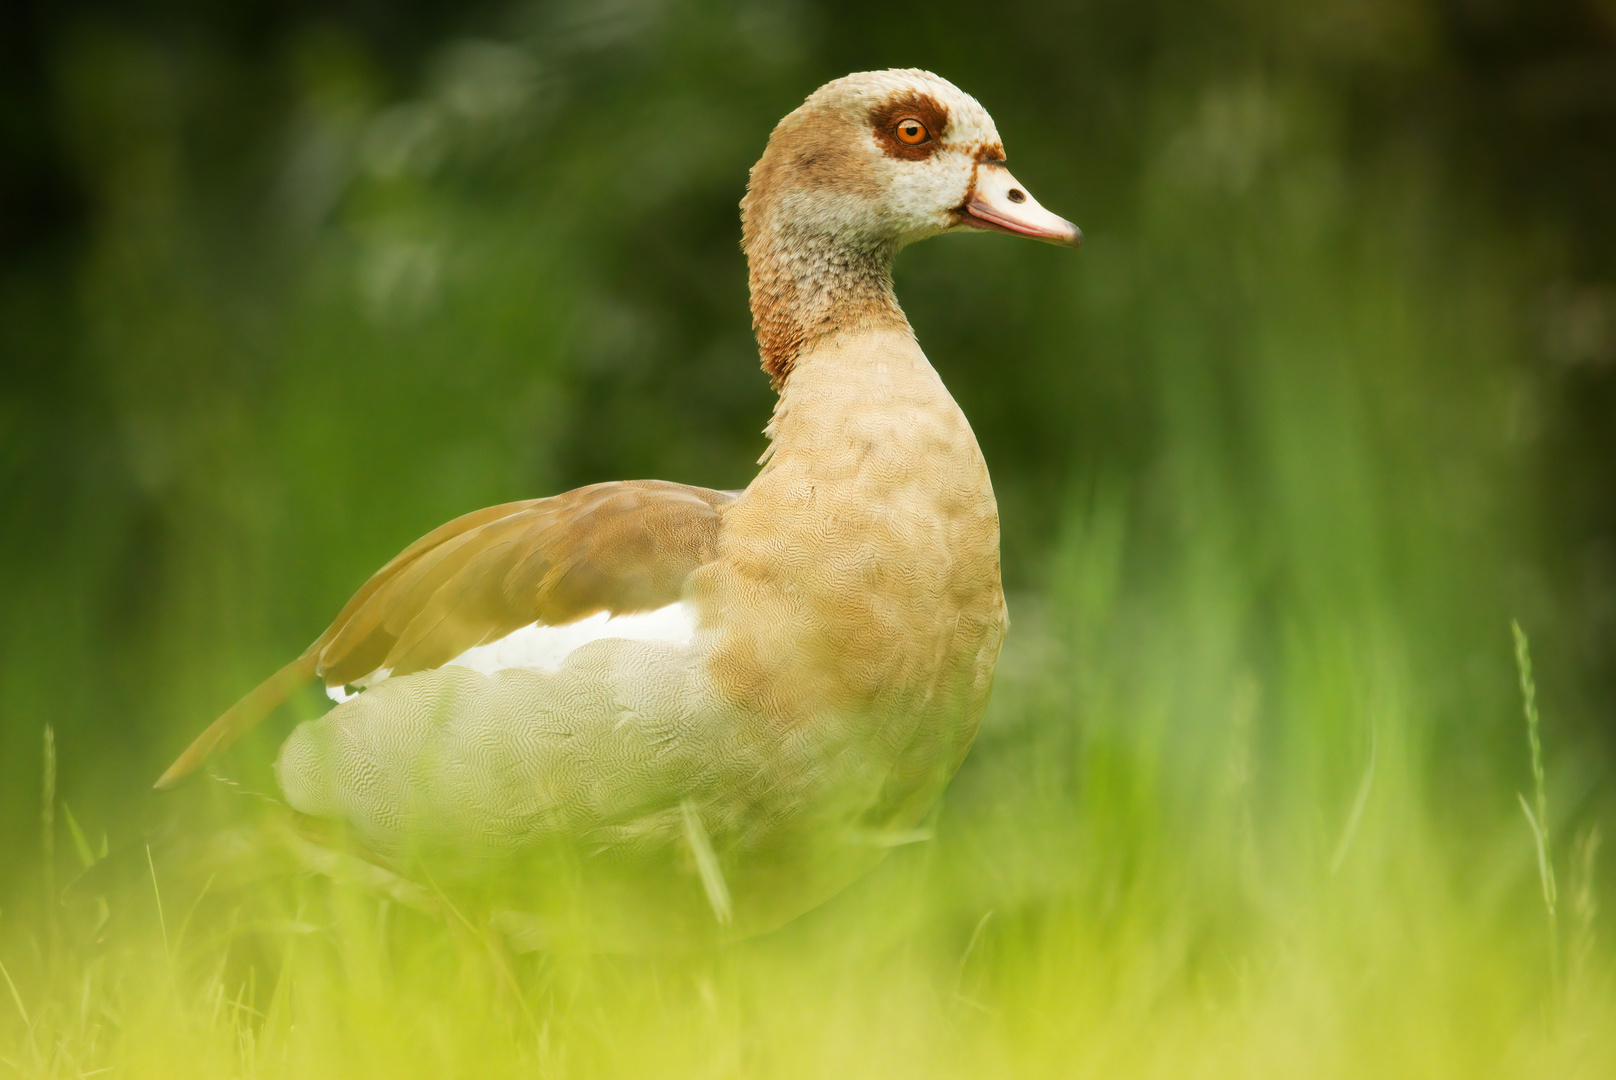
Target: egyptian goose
[{"x": 732, "y": 698}]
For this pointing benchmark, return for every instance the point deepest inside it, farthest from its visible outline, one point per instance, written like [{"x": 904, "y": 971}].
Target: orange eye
[{"x": 912, "y": 131}]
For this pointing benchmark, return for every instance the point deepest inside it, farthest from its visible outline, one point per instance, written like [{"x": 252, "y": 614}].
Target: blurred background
[{"x": 1327, "y": 400}]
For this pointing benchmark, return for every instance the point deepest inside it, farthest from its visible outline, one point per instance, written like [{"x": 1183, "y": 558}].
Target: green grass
[{"x": 1079, "y": 912}]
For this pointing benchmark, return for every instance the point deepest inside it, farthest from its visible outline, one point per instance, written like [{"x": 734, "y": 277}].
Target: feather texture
[{"x": 618, "y": 548}]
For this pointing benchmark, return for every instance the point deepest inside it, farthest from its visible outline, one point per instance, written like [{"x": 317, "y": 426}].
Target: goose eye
[{"x": 912, "y": 131}]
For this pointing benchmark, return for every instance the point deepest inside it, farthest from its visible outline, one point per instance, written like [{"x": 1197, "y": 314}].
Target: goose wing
[{"x": 619, "y": 548}]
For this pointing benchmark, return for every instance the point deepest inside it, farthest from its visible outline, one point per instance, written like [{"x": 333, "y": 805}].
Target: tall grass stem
[
  {"x": 47, "y": 840},
  {"x": 1539, "y": 821}
]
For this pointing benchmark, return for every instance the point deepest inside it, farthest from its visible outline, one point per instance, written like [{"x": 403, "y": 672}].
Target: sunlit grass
[{"x": 1083, "y": 910}]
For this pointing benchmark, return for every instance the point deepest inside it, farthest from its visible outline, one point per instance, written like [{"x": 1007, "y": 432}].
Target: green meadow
[{"x": 1300, "y": 754}]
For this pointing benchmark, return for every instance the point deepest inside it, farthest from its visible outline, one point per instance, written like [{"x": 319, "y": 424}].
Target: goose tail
[{"x": 240, "y": 718}]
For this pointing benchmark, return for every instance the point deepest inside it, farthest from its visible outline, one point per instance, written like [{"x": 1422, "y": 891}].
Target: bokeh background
[{"x": 1328, "y": 399}]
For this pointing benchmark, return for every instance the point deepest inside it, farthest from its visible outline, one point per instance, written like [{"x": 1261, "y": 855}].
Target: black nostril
[{"x": 1017, "y": 195}]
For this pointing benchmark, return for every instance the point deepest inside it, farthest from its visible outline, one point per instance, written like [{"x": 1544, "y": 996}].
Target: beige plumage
[{"x": 727, "y": 699}]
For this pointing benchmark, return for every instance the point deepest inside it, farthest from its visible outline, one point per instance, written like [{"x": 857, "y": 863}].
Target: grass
[
  {"x": 1538, "y": 821},
  {"x": 1076, "y": 914}
]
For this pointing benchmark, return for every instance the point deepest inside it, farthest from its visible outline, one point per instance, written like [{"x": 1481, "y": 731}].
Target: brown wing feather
[{"x": 619, "y": 547}]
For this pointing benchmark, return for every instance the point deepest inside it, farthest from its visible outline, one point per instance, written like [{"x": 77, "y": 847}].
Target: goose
[{"x": 698, "y": 711}]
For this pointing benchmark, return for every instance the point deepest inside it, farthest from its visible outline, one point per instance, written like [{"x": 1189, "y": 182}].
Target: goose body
[{"x": 727, "y": 703}]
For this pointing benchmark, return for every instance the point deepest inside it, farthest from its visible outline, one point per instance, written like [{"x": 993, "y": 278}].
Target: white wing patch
[{"x": 545, "y": 647}]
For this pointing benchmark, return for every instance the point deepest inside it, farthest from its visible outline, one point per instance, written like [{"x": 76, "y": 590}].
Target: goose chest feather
[{"x": 691, "y": 712}]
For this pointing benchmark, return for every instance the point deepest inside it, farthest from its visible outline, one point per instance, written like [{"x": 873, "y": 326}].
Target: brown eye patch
[{"x": 909, "y": 125}]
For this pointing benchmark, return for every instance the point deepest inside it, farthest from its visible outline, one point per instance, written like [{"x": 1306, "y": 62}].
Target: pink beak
[{"x": 999, "y": 202}]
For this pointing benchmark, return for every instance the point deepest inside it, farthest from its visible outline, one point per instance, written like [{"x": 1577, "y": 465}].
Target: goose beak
[{"x": 999, "y": 202}]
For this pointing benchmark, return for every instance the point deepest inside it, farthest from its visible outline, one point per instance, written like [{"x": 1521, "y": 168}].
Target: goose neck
[{"x": 808, "y": 285}]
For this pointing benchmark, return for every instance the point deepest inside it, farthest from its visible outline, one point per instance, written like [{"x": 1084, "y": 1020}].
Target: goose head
[
  {"x": 885, "y": 158},
  {"x": 867, "y": 165}
]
